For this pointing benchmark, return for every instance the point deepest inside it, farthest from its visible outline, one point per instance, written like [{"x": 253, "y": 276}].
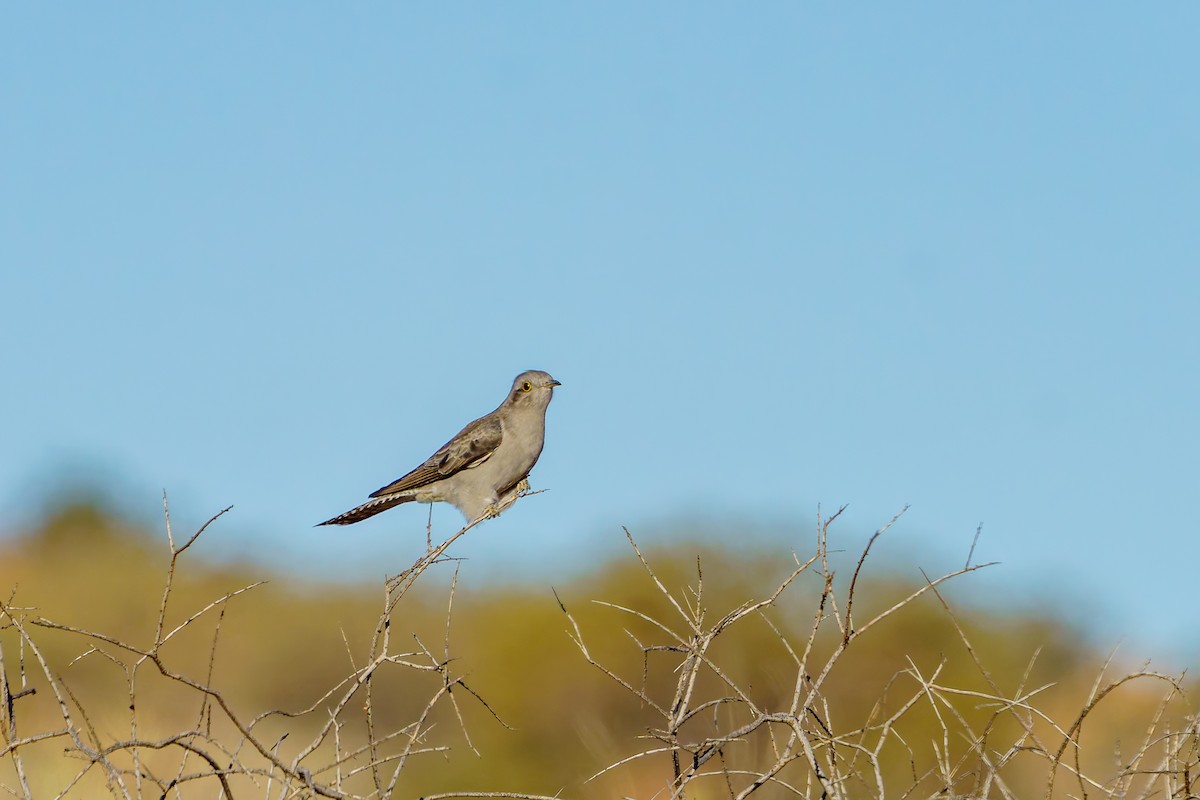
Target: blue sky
[{"x": 780, "y": 256}]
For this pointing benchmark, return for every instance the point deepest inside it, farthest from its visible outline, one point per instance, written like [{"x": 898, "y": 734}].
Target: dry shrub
[{"x": 791, "y": 692}]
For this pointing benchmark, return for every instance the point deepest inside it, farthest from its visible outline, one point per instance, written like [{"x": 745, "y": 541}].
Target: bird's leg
[{"x": 510, "y": 497}]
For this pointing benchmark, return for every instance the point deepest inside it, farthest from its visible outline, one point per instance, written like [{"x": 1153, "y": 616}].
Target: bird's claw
[{"x": 494, "y": 509}]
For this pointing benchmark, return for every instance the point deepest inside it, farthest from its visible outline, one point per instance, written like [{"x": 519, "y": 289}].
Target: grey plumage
[{"x": 483, "y": 469}]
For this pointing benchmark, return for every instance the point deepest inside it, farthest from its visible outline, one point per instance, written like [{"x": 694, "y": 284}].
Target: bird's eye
[{"x": 526, "y": 386}]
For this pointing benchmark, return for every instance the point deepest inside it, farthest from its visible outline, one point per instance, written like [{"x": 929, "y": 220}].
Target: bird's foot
[
  {"x": 505, "y": 502},
  {"x": 495, "y": 509},
  {"x": 509, "y": 498}
]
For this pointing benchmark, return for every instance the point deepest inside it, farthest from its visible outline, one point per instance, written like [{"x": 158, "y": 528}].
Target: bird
[{"x": 484, "y": 468}]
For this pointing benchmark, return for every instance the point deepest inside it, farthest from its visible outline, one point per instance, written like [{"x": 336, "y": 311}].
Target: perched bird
[{"x": 483, "y": 469}]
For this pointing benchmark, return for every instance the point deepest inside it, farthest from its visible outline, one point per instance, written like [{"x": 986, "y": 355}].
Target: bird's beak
[{"x": 554, "y": 382}]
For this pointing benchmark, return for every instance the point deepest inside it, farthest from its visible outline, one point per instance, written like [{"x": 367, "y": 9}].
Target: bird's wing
[{"x": 472, "y": 446}]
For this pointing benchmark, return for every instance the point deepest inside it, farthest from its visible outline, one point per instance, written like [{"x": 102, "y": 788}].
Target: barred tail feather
[{"x": 368, "y": 509}]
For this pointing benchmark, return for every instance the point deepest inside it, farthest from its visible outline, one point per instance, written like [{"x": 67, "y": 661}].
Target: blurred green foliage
[{"x": 551, "y": 720}]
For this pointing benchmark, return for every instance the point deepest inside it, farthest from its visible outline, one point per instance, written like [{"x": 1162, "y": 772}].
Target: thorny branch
[
  {"x": 803, "y": 747},
  {"x": 712, "y": 728},
  {"x": 223, "y": 744}
]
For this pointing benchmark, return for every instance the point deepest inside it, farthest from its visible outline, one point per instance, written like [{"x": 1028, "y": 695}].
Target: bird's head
[{"x": 532, "y": 388}]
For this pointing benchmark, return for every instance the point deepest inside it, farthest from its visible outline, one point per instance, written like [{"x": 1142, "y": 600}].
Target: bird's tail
[{"x": 368, "y": 509}]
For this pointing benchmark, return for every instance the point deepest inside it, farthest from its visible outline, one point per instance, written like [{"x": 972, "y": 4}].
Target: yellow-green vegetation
[{"x": 134, "y": 667}]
